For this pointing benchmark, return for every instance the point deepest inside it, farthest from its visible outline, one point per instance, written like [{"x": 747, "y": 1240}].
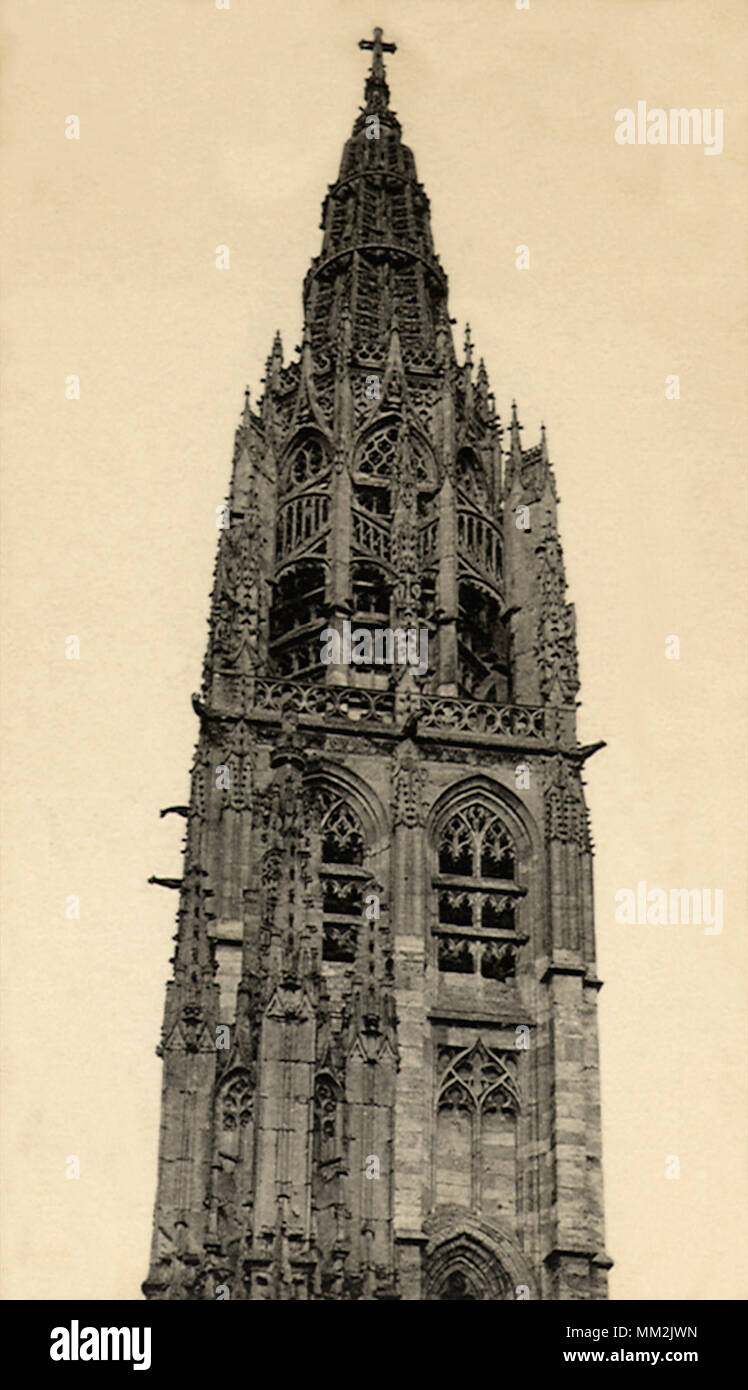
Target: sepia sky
[{"x": 201, "y": 128}]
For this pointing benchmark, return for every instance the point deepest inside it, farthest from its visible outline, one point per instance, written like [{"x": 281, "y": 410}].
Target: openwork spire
[{"x": 377, "y": 248}]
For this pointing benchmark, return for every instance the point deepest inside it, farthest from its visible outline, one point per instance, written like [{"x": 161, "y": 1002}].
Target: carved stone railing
[
  {"x": 325, "y": 701},
  {"x": 437, "y": 713},
  {"x": 481, "y": 717}
]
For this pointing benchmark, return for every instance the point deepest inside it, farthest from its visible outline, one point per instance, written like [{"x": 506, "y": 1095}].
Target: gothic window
[
  {"x": 232, "y": 1154},
  {"x": 378, "y": 452},
  {"x": 343, "y": 878},
  {"x": 234, "y": 1113},
  {"x": 305, "y": 461},
  {"x": 477, "y": 895},
  {"x": 235, "y": 1105},
  {"x": 328, "y": 1143},
  {"x": 377, "y": 456},
  {"x": 477, "y": 1100},
  {"x": 456, "y": 1289},
  {"x": 342, "y": 840}
]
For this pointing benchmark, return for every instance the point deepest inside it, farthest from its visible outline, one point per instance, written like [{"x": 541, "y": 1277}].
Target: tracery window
[
  {"x": 232, "y": 1153},
  {"x": 343, "y": 878},
  {"x": 377, "y": 456},
  {"x": 378, "y": 452},
  {"x": 478, "y": 895},
  {"x": 306, "y": 461},
  {"x": 477, "y": 1100},
  {"x": 235, "y": 1105}
]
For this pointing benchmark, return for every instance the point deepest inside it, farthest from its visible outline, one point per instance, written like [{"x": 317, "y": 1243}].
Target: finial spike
[
  {"x": 377, "y": 92},
  {"x": 468, "y": 346}
]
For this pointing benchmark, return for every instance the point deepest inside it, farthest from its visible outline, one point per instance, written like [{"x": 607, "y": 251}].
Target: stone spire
[{"x": 389, "y": 901}]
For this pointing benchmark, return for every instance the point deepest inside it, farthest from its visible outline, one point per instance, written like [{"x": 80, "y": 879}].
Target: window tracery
[
  {"x": 477, "y": 895},
  {"x": 477, "y": 1102},
  {"x": 342, "y": 876},
  {"x": 305, "y": 461}
]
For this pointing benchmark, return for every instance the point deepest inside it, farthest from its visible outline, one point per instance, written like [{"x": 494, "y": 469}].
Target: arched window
[
  {"x": 477, "y": 893},
  {"x": 305, "y": 461},
  {"x": 233, "y": 1138},
  {"x": 377, "y": 456},
  {"x": 477, "y": 1099},
  {"x": 235, "y": 1107},
  {"x": 378, "y": 452},
  {"x": 458, "y": 1288},
  {"x": 342, "y": 876}
]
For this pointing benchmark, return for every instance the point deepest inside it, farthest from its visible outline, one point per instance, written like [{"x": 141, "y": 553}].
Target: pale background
[{"x": 201, "y": 127}]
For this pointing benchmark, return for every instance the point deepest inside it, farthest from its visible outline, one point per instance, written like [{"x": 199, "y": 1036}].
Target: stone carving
[
  {"x": 407, "y": 591},
  {"x": 555, "y": 646},
  {"x": 473, "y": 1075},
  {"x": 237, "y": 595},
  {"x": 566, "y": 815},
  {"x": 342, "y": 509},
  {"x": 407, "y": 789}
]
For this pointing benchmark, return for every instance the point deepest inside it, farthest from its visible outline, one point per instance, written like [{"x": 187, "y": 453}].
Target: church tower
[{"x": 380, "y": 1075}]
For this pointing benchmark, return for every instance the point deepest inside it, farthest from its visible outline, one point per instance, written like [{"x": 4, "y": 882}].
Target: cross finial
[
  {"x": 377, "y": 46},
  {"x": 377, "y": 92}
]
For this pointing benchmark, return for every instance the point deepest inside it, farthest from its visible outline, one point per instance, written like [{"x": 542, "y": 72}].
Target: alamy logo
[
  {"x": 679, "y": 907},
  {"x": 379, "y": 646},
  {"x": 678, "y": 126},
  {"x": 75, "y": 1343}
]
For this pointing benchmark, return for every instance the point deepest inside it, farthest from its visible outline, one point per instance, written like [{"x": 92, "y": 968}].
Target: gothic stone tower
[{"x": 380, "y": 1074}]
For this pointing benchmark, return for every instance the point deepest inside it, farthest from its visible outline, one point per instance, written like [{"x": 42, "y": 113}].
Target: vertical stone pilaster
[
  {"x": 410, "y": 992},
  {"x": 447, "y": 593}
]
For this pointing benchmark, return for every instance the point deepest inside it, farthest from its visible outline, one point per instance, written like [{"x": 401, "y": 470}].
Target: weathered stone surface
[{"x": 380, "y": 1048}]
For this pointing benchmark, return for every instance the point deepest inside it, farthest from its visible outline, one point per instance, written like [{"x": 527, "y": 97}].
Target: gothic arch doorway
[
  {"x": 464, "y": 1270},
  {"x": 458, "y": 1288},
  {"x": 468, "y": 1259}
]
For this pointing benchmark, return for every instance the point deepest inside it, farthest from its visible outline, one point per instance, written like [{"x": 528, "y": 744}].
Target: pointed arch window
[
  {"x": 477, "y": 1101},
  {"x": 378, "y": 452},
  {"x": 233, "y": 1143},
  {"x": 305, "y": 461},
  {"x": 478, "y": 896},
  {"x": 235, "y": 1105},
  {"x": 343, "y": 877}
]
